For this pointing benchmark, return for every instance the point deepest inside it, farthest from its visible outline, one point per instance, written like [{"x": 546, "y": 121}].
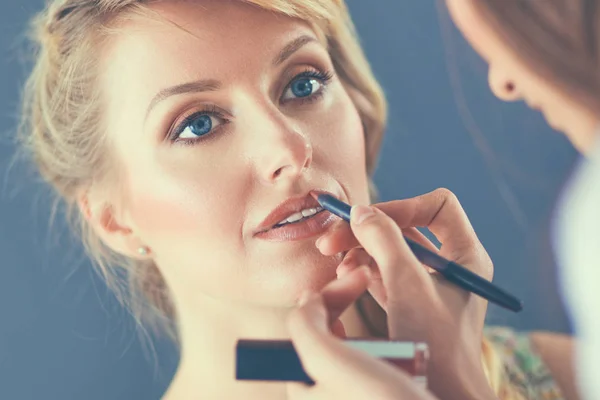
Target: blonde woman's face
[
  {"x": 217, "y": 118},
  {"x": 510, "y": 79}
]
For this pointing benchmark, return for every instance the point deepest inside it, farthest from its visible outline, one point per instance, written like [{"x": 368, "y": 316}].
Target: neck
[{"x": 208, "y": 337}]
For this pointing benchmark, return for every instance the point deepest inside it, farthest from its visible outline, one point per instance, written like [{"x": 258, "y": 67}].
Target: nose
[
  {"x": 282, "y": 151},
  {"x": 502, "y": 85},
  {"x": 290, "y": 157}
]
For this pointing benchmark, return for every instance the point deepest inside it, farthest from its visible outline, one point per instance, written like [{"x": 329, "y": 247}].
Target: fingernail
[
  {"x": 343, "y": 267},
  {"x": 359, "y": 214},
  {"x": 366, "y": 270},
  {"x": 319, "y": 241}
]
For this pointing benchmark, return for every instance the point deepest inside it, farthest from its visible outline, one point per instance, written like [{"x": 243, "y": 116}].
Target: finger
[
  {"x": 441, "y": 212},
  {"x": 298, "y": 391},
  {"x": 414, "y": 234},
  {"x": 379, "y": 235},
  {"x": 339, "y": 294},
  {"x": 317, "y": 350},
  {"x": 326, "y": 359},
  {"x": 353, "y": 259},
  {"x": 338, "y": 330},
  {"x": 358, "y": 257},
  {"x": 342, "y": 238},
  {"x": 338, "y": 239}
]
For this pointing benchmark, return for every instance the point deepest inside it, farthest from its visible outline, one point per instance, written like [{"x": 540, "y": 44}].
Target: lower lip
[{"x": 307, "y": 228}]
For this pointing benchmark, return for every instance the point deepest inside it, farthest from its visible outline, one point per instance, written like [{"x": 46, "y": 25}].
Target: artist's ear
[
  {"x": 112, "y": 229},
  {"x": 503, "y": 85}
]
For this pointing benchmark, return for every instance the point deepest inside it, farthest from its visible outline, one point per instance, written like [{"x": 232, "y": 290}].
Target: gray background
[{"x": 63, "y": 336}]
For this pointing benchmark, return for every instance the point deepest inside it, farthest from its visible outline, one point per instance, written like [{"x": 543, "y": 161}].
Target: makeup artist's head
[
  {"x": 544, "y": 52},
  {"x": 174, "y": 128}
]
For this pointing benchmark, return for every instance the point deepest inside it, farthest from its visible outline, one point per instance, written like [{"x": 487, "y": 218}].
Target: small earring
[{"x": 142, "y": 251}]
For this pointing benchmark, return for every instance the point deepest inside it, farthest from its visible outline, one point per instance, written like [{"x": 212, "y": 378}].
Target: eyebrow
[
  {"x": 291, "y": 48},
  {"x": 211, "y": 85},
  {"x": 205, "y": 85}
]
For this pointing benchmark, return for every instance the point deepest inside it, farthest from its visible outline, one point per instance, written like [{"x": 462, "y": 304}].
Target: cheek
[
  {"x": 186, "y": 220},
  {"x": 348, "y": 141},
  {"x": 180, "y": 201},
  {"x": 342, "y": 148}
]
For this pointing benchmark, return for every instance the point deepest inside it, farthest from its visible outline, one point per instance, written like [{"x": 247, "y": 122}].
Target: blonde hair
[{"x": 62, "y": 128}]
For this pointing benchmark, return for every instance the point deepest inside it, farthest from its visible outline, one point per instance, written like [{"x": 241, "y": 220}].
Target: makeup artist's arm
[{"x": 419, "y": 306}]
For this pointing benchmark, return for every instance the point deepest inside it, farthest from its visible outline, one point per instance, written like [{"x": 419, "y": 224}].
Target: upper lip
[{"x": 287, "y": 208}]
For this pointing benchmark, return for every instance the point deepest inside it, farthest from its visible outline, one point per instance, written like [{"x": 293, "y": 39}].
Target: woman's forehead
[
  {"x": 210, "y": 20},
  {"x": 190, "y": 41},
  {"x": 190, "y": 37}
]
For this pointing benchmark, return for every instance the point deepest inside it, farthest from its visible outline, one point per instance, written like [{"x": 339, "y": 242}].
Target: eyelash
[
  {"x": 324, "y": 77},
  {"x": 209, "y": 110}
]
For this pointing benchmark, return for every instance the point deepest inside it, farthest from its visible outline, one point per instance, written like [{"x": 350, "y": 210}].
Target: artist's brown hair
[{"x": 560, "y": 41}]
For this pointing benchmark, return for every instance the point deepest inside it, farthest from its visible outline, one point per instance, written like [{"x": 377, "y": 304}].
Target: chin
[
  {"x": 552, "y": 122},
  {"x": 288, "y": 281}
]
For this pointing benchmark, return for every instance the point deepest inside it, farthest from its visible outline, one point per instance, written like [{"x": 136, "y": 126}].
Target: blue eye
[
  {"x": 198, "y": 125},
  {"x": 305, "y": 85},
  {"x": 301, "y": 87}
]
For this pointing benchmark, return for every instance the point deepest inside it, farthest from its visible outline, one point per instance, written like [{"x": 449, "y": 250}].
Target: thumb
[
  {"x": 334, "y": 366},
  {"x": 334, "y": 299},
  {"x": 340, "y": 293},
  {"x": 320, "y": 352}
]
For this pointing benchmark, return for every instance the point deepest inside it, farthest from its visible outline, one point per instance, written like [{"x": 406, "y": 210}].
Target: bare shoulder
[{"x": 557, "y": 352}]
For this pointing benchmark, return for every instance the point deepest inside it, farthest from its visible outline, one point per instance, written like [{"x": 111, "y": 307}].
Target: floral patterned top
[{"x": 526, "y": 372}]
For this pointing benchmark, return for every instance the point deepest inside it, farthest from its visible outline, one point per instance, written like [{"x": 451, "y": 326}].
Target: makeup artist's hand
[
  {"x": 420, "y": 306},
  {"x": 341, "y": 372}
]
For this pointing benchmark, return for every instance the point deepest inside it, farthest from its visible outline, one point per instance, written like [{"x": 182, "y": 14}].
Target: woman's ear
[{"x": 113, "y": 231}]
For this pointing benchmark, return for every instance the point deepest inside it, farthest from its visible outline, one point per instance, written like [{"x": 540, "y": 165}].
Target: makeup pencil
[{"x": 451, "y": 271}]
